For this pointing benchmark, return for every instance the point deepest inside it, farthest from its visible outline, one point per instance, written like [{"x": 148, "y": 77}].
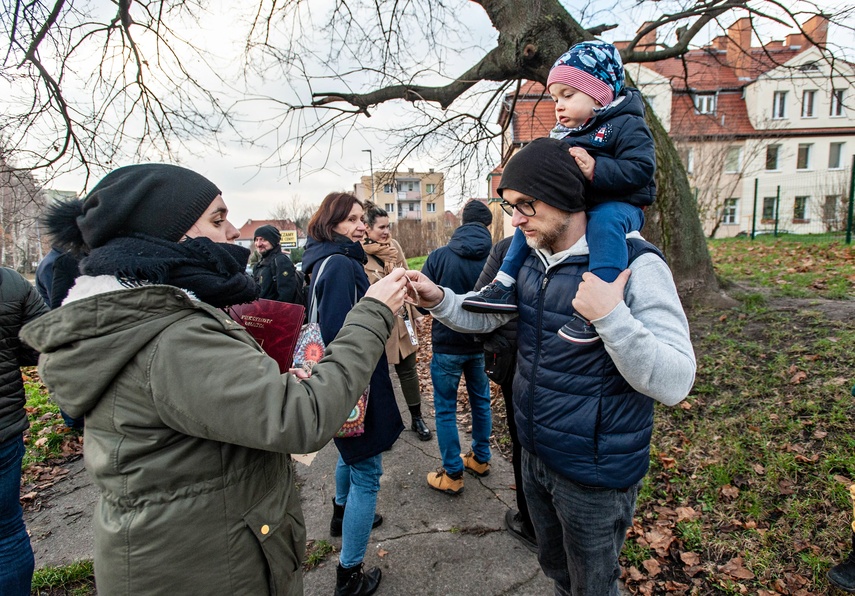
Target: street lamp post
[{"x": 371, "y": 165}]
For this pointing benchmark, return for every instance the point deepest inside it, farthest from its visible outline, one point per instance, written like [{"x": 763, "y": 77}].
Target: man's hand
[
  {"x": 596, "y": 298},
  {"x": 391, "y": 290},
  {"x": 585, "y": 162},
  {"x": 421, "y": 291}
]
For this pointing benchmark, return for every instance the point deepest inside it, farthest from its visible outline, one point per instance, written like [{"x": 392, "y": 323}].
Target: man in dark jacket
[
  {"x": 500, "y": 360},
  {"x": 19, "y": 304},
  {"x": 457, "y": 266},
  {"x": 274, "y": 272},
  {"x": 584, "y": 412}
]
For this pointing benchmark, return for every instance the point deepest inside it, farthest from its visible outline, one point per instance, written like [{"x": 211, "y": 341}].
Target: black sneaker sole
[
  {"x": 578, "y": 340},
  {"x": 487, "y": 308}
]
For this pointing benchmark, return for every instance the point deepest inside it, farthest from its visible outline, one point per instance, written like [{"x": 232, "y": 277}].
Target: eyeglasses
[{"x": 524, "y": 207}]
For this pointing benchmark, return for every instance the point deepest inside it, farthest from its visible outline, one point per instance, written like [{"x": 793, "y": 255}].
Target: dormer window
[{"x": 704, "y": 103}]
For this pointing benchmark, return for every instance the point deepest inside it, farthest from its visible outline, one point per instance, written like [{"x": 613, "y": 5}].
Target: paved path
[{"x": 429, "y": 544}]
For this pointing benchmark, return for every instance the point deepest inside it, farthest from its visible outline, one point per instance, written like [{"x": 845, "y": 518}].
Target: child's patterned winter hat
[{"x": 592, "y": 67}]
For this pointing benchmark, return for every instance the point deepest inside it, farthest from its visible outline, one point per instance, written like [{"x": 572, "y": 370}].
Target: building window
[
  {"x": 803, "y": 160},
  {"x": 388, "y": 188},
  {"x": 687, "y": 156},
  {"x": 390, "y": 207},
  {"x": 779, "y": 105},
  {"x": 835, "y": 156},
  {"x": 808, "y": 102},
  {"x": 704, "y": 103},
  {"x": 431, "y": 207},
  {"x": 733, "y": 160},
  {"x": 430, "y": 188},
  {"x": 772, "y": 152},
  {"x": 837, "y": 102},
  {"x": 405, "y": 187},
  {"x": 728, "y": 214},
  {"x": 829, "y": 208},
  {"x": 800, "y": 205},
  {"x": 769, "y": 209}
]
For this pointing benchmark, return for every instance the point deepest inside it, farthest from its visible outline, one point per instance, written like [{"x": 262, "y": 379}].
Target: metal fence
[{"x": 818, "y": 205}]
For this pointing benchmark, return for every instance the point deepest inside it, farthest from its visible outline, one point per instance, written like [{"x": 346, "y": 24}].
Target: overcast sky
[{"x": 253, "y": 193}]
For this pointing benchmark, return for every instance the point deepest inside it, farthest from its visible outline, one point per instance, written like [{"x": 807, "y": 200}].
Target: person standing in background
[
  {"x": 383, "y": 255},
  {"x": 457, "y": 266},
  {"x": 19, "y": 304},
  {"x": 274, "y": 272}
]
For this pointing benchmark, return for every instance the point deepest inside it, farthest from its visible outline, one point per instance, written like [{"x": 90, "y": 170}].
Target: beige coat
[{"x": 399, "y": 345}]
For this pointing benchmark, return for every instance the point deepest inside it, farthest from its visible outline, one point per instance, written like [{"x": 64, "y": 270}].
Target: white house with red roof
[{"x": 766, "y": 132}]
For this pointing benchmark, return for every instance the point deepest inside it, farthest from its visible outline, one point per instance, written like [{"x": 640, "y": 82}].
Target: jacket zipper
[{"x": 536, "y": 361}]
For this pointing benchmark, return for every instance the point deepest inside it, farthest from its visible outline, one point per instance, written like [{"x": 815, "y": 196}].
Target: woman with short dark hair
[{"x": 335, "y": 249}]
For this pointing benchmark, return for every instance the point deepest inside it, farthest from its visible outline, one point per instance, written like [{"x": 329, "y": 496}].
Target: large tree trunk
[{"x": 674, "y": 225}]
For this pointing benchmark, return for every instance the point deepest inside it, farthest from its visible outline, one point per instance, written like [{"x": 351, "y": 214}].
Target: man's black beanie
[
  {"x": 159, "y": 200},
  {"x": 269, "y": 233},
  {"x": 545, "y": 170}
]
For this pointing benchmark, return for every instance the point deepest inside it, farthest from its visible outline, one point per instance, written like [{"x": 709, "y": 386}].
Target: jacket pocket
[{"x": 277, "y": 532}]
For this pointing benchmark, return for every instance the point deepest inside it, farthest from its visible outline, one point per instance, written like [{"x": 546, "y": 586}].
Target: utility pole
[{"x": 371, "y": 165}]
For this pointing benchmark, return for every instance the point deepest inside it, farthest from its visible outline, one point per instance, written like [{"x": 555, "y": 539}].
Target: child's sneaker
[
  {"x": 494, "y": 297},
  {"x": 578, "y": 331}
]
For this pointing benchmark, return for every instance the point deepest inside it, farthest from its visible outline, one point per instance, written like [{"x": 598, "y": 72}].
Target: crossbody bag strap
[{"x": 313, "y": 301}]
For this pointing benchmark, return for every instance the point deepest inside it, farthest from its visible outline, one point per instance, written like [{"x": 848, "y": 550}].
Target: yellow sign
[{"x": 289, "y": 239}]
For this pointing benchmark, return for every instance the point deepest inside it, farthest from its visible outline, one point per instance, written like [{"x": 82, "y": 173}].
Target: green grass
[
  {"x": 416, "y": 262},
  {"x": 47, "y": 431},
  {"x": 791, "y": 265},
  {"x": 317, "y": 552},
  {"x": 763, "y": 448},
  {"x": 76, "y": 579}
]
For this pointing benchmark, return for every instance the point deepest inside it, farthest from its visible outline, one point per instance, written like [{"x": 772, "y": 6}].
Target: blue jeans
[
  {"x": 608, "y": 225},
  {"x": 580, "y": 530},
  {"x": 356, "y": 487},
  {"x": 16, "y": 554},
  {"x": 445, "y": 371}
]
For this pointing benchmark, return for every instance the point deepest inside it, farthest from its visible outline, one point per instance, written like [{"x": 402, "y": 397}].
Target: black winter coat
[
  {"x": 618, "y": 138},
  {"x": 457, "y": 266},
  {"x": 20, "y": 303},
  {"x": 500, "y": 346},
  {"x": 342, "y": 279},
  {"x": 276, "y": 276}
]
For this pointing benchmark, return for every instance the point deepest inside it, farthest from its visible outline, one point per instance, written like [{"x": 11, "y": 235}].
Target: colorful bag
[
  {"x": 355, "y": 425},
  {"x": 310, "y": 349}
]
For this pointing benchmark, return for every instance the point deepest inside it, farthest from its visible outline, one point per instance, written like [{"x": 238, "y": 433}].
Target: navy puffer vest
[{"x": 572, "y": 407}]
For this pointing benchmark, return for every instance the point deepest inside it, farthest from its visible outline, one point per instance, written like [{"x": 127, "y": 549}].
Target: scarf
[
  {"x": 215, "y": 272},
  {"x": 384, "y": 251}
]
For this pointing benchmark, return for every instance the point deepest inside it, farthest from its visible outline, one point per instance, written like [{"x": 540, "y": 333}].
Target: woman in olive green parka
[{"x": 188, "y": 422}]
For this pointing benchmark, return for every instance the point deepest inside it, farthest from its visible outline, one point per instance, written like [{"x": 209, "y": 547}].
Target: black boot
[
  {"x": 843, "y": 575},
  {"x": 338, "y": 518},
  {"x": 353, "y": 581},
  {"x": 419, "y": 426}
]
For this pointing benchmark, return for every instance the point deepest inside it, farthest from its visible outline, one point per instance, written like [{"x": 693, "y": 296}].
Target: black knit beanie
[
  {"x": 269, "y": 233},
  {"x": 477, "y": 212},
  {"x": 545, "y": 170},
  {"x": 159, "y": 200}
]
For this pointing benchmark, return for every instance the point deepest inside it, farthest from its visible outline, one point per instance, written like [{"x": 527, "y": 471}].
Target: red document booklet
[{"x": 274, "y": 325}]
